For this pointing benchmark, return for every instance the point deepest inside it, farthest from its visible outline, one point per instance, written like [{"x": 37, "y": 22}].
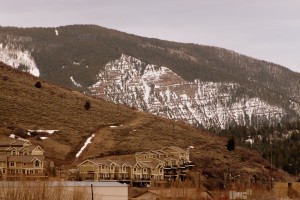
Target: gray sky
[{"x": 263, "y": 29}]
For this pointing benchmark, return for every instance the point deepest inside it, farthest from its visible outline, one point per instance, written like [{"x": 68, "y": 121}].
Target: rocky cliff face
[
  {"x": 158, "y": 90},
  {"x": 14, "y": 56}
]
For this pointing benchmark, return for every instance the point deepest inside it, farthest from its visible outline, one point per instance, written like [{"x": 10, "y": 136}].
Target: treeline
[{"x": 279, "y": 144}]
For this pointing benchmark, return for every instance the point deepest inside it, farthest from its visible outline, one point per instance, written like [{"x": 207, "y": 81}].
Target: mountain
[
  {"x": 158, "y": 90},
  {"x": 203, "y": 85},
  {"x": 116, "y": 129}
]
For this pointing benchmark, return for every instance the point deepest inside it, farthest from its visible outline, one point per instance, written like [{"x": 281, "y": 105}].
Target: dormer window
[
  {"x": 14, "y": 152},
  {"x": 124, "y": 168},
  {"x": 36, "y": 163},
  {"x": 134, "y": 169}
]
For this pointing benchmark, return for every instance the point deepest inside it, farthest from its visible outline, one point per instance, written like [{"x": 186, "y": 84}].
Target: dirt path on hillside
[{"x": 104, "y": 140}]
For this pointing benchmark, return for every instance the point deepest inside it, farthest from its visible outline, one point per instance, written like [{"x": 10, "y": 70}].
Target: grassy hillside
[
  {"x": 94, "y": 46},
  {"x": 52, "y": 107}
]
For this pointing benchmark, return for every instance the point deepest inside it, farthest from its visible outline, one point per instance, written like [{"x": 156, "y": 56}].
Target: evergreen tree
[
  {"x": 231, "y": 144},
  {"x": 87, "y": 105},
  {"x": 38, "y": 84}
]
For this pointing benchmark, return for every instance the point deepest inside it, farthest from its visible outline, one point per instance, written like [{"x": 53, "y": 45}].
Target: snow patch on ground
[
  {"x": 74, "y": 82},
  {"x": 88, "y": 141},
  {"x": 56, "y": 32},
  {"x": 44, "y": 138},
  {"x": 15, "y": 57},
  {"x": 42, "y": 131},
  {"x": 12, "y": 136},
  {"x": 250, "y": 141}
]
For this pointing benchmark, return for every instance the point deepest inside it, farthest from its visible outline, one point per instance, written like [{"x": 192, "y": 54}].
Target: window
[
  {"x": 112, "y": 167},
  {"x": 124, "y": 168},
  {"x": 134, "y": 169},
  {"x": 102, "y": 167},
  {"x": 24, "y": 164},
  {"x": 145, "y": 170},
  {"x": 12, "y": 164},
  {"x": 145, "y": 157},
  {"x": 14, "y": 152},
  {"x": 36, "y": 163}
]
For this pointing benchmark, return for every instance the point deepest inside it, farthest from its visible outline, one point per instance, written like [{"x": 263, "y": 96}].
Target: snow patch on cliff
[
  {"x": 74, "y": 82},
  {"x": 158, "y": 90},
  {"x": 15, "y": 58}
]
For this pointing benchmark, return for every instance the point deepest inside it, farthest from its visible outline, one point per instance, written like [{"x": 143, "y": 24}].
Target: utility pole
[{"x": 92, "y": 191}]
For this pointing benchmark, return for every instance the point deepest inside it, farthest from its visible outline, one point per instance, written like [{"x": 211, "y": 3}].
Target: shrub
[
  {"x": 38, "y": 84},
  {"x": 87, "y": 105},
  {"x": 20, "y": 132},
  {"x": 231, "y": 144}
]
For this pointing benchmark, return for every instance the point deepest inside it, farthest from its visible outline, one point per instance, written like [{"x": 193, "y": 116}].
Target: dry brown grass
[
  {"x": 40, "y": 190},
  {"x": 52, "y": 107}
]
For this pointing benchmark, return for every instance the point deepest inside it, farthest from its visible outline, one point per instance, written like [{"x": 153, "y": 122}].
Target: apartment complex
[
  {"x": 169, "y": 163},
  {"x": 19, "y": 158}
]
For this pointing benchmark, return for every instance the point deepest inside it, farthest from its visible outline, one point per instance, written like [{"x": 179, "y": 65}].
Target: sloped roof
[
  {"x": 6, "y": 143},
  {"x": 178, "y": 193},
  {"x": 13, "y": 142},
  {"x": 119, "y": 162},
  {"x": 158, "y": 152},
  {"x": 3, "y": 148},
  {"x": 174, "y": 149},
  {"x": 25, "y": 159},
  {"x": 3, "y": 157},
  {"x": 18, "y": 143},
  {"x": 90, "y": 161},
  {"x": 130, "y": 162},
  {"x": 31, "y": 148},
  {"x": 17, "y": 148}
]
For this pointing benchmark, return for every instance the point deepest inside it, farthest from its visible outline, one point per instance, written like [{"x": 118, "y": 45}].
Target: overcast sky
[{"x": 264, "y": 29}]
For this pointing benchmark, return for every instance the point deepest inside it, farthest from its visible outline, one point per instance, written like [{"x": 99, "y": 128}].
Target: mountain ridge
[{"x": 81, "y": 51}]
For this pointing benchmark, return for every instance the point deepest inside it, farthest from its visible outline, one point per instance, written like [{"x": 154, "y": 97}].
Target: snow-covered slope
[
  {"x": 17, "y": 58},
  {"x": 158, "y": 90}
]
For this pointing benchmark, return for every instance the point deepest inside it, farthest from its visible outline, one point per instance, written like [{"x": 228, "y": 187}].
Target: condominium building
[
  {"x": 19, "y": 158},
  {"x": 169, "y": 163}
]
